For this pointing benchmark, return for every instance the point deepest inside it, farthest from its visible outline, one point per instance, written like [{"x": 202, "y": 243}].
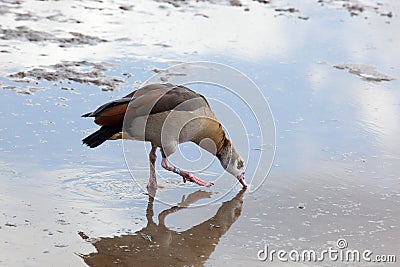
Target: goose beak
[{"x": 241, "y": 180}]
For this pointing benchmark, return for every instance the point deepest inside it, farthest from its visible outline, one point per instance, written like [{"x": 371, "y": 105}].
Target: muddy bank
[
  {"x": 369, "y": 73},
  {"x": 23, "y": 33},
  {"x": 81, "y": 72},
  {"x": 35, "y": 35}
]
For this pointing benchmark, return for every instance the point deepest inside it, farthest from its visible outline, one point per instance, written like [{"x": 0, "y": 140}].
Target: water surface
[{"x": 336, "y": 170}]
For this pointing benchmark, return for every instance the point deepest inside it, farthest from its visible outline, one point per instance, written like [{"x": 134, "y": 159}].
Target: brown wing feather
[
  {"x": 179, "y": 97},
  {"x": 111, "y": 116},
  {"x": 150, "y": 99}
]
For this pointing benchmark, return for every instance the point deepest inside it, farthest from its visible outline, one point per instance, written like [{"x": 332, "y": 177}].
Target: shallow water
[{"x": 336, "y": 170}]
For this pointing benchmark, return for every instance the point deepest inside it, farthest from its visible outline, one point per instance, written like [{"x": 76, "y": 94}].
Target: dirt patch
[
  {"x": 367, "y": 72},
  {"x": 77, "y": 71},
  {"x": 356, "y": 8},
  {"x": 30, "y": 90},
  {"x": 167, "y": 74},
  {"x": 288, "y": 9},
  {"x": 24, "y": 33}
]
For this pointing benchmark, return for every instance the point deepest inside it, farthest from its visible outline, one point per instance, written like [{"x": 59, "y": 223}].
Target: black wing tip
[
  {"x": 87, "y": 115},
  {"x": 91, "y": 141},
  {"x": 89, "y": 145},
  {"x": 101, "y": 135}
]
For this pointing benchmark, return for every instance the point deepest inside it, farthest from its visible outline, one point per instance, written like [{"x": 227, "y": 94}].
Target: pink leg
[
  {"x": 152, "y": 179},
  {"x": 187, "y": 176},
  {"x": 242, "y": 181}
]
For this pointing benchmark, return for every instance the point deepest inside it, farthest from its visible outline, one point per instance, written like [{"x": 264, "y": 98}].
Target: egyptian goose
[{"x": 166, "y": 115}]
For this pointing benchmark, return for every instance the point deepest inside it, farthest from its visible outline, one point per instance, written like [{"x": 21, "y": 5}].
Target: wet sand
[{"x": 329, "y": 70}]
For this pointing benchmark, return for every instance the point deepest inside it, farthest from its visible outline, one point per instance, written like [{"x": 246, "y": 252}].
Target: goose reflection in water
[{"x": 156, "y": 245}]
